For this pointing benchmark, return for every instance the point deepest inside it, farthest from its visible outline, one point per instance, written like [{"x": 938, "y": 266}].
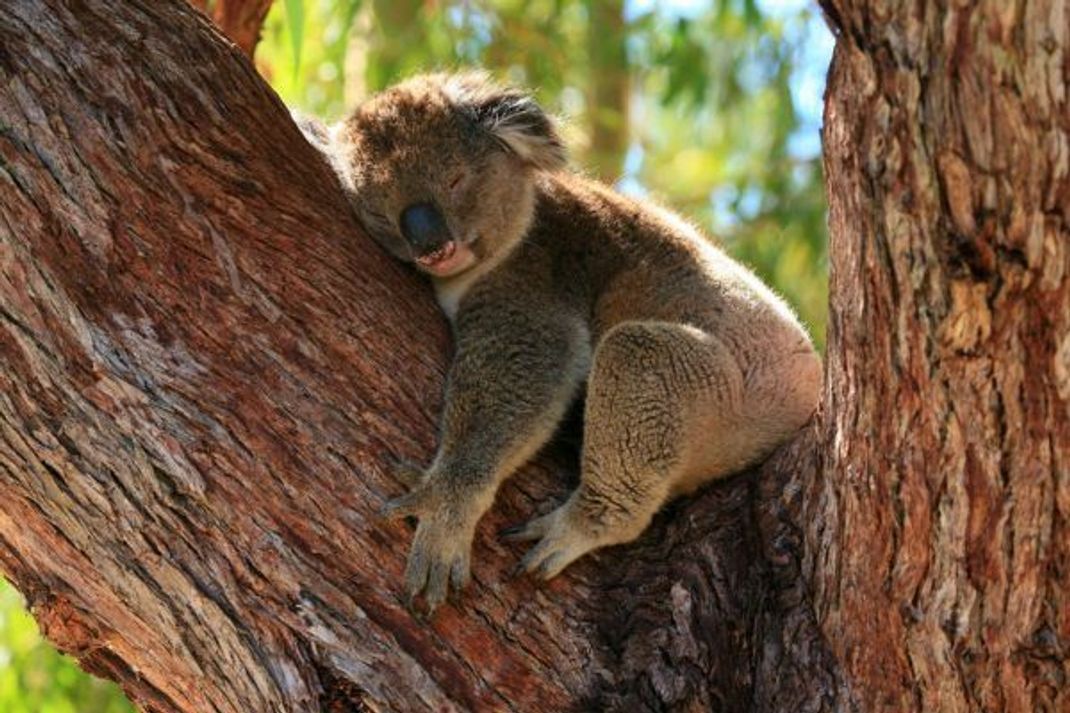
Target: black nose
[{"x": 423, "y": 225}]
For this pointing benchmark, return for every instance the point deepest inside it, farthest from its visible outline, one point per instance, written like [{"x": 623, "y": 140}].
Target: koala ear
[
  {"x": 320, "y": 135},
  {"x": 512, "y": 117}
]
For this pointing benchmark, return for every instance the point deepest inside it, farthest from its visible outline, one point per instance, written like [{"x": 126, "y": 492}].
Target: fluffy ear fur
[
  {"x": 511, "y": 116},
  {"x": 322, "y": 138},
  {"x": 315, "y": 131}
]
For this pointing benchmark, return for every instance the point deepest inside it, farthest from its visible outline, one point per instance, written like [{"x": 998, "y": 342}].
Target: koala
[{"x": 693, "y": 368}]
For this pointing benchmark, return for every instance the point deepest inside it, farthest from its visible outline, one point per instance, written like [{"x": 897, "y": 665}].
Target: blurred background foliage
[
  {"x": 35, "y": 678},
  {"x": 712, "y": 107}
]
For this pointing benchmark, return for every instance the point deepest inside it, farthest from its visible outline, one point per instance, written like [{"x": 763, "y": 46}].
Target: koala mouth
[
  {"x": 436, "y": 257},
  {"x": 451, "y": 258}
]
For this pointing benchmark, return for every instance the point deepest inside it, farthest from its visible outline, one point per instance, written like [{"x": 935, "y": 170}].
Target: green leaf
[
  {"x": 295, "y": 18},
  {"x": 751, "y": 14}
]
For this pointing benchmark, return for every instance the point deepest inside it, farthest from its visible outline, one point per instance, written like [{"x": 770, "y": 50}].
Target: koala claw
[
  {"x": 437, "y": 564},
  {"x": 517, "y": 533},
  {"x": 533, "y": 529},
  {"x": 546, "y": 559},
  {"x": 559, "y": 546},
  {"x": 410, "y": 474},
  {"x": 413, "y": 504}
]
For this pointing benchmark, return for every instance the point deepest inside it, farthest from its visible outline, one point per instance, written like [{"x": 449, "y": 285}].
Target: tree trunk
[
  {"x": 240, "y": 20},
  {"x": 608, "y": 89},
  {"x": 938, "y": 534},
  {"x": 207, "y": 369}
]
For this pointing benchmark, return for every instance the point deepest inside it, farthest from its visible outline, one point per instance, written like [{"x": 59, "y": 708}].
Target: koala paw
[
  {"x": 562, "y": 540},
  {"x": 441, "y": 550}
]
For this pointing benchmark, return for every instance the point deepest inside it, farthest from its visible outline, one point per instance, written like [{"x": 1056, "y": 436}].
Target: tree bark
[
  {"x": 207, "y": 369},
  {"x": 241, "y": 20},
  {"x": 938, "y": 534}
]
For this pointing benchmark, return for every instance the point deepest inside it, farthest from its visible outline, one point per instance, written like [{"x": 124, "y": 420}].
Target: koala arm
[
  {"x": 508, "y": 389},
  {"x": 513, "y": 377}
]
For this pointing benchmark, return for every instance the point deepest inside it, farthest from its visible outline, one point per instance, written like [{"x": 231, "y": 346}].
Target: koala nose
[{"x": 423, "y": 225}]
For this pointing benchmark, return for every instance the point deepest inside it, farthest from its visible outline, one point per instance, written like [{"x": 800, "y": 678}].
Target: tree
[
  {"x": 609, "y": 86},
  {"x": 241, "y": 20},
  {"x": 938, "y": 529},
  {"x": 207, "y": 369}
]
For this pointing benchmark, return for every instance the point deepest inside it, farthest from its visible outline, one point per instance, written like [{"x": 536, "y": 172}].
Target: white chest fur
[{"x": 450, "y": 292}]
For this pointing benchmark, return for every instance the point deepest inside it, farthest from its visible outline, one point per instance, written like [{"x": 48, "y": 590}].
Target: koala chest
[{"x": 449, "y": 293}]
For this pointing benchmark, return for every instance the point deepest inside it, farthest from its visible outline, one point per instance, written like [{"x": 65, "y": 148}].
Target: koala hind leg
[{"x": 655, "y": 389}]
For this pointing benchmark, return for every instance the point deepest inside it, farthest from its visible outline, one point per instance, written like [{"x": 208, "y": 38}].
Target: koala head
[{"x": 441, "y": 168}]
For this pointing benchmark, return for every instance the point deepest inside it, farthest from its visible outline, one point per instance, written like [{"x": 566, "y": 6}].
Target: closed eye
[
  {"x": 456, "y": 182},
  {"x": 377, "y": 221}
]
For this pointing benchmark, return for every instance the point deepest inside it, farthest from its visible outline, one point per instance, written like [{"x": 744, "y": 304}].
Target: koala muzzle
[{"x": 424, "y": 227}]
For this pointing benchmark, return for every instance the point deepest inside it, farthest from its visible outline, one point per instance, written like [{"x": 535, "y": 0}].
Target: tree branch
[{"x": 240, "y": 20}]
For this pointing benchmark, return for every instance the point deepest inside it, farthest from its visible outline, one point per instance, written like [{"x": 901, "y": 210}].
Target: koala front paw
[
  {"x": 441, "y": 550},
  {"x": 439, "y": 559}
]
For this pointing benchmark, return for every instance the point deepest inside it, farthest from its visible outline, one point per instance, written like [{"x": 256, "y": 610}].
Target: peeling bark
[{"x": 207, "y": 368}]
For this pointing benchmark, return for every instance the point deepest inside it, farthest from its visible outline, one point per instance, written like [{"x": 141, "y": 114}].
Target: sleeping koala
[{"x": 694, "y": 368}]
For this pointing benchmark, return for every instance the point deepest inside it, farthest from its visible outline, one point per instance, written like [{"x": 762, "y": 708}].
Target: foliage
[{"x": 35, "y": 678}]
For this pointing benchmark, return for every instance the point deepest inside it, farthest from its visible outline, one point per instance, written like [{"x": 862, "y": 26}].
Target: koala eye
[
  {"x": 456, "y": 183},
  {"x": 376, "y": 222}
]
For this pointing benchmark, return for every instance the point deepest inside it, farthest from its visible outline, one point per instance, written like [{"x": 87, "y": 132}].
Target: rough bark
[
  {"x": 206, "y": 371},
  {"x": 938, "y": 535}
]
